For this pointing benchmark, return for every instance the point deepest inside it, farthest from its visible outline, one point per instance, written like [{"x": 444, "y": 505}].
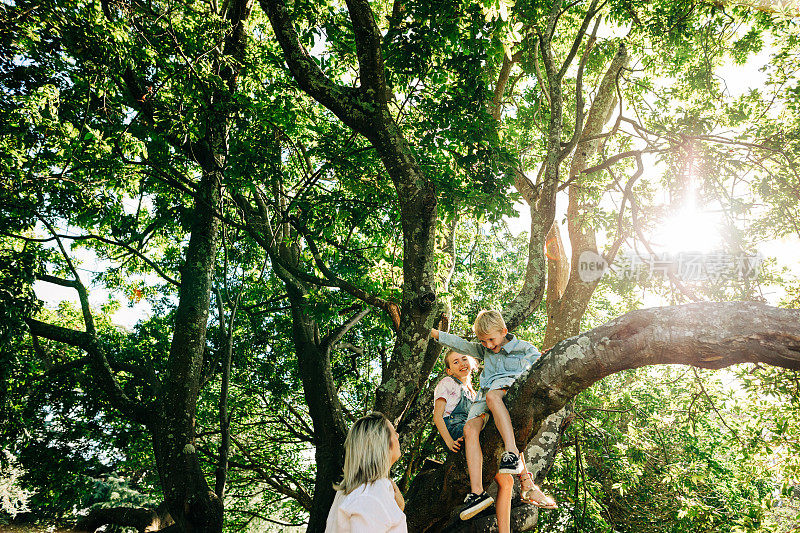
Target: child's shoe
[
  {"x": 529, "y": 492},
  {"x": 474, "y": 504},
  {"x": 510, "y": 464}
]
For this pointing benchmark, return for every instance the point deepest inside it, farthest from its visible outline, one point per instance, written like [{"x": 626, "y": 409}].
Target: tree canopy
[{"x": 290, "y": 195}]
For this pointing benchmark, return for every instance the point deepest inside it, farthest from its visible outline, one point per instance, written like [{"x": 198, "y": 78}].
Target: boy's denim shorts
[{"x": 479, "y": 406}]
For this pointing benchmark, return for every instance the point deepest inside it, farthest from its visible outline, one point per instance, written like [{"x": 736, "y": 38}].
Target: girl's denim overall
[{"x": 456, "y": 420}]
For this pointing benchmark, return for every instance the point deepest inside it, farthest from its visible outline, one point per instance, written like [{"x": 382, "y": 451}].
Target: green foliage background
[{"x": 650, "y": 450}]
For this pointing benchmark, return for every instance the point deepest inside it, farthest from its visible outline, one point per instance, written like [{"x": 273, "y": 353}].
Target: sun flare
[{"x": 691, "y": 230}]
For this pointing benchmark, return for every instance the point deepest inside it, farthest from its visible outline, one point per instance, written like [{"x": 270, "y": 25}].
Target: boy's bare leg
[
  {"x": 505, "y": 488},
  {"x": 472, "y": 449},
  {"x": 494, "y": 399}
]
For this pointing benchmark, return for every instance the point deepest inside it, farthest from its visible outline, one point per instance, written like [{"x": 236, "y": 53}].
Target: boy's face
[{"x": 494, "y": 340}]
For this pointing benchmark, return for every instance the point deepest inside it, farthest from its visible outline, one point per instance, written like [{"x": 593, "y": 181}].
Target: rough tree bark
[
  {"x": 706, "y": 335},
  {"x": 545, "y": 241},
  {"x": 366, "y": 110},
  {"x": 192, "y": 504},
  {"x": 541, "y": 196},
  {"x": 170, "y": 416}
]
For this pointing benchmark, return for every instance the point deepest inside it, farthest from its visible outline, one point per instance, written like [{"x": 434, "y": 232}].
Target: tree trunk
[
  {"x": 414, "y": 353},
  {"x": 366, "y": 110},
  {"x": 192, "y": 504},
  {"x": 323, "y": 404},
  {"x": 706, "y": 335},
  {"x": 313, "y": 354},
  {"x": 523, "y": 518}
]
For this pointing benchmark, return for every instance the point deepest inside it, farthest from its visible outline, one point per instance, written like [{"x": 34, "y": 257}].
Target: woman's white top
[{"x": 370, "y": 508}]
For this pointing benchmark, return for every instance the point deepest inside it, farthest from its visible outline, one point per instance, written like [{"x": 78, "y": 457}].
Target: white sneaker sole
[
  {"x": 518, "y": 470},
  {"x": 466, "y": 514}
]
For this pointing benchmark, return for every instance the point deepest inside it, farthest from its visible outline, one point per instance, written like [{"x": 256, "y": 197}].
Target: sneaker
[
  {"x": 474, "y": 504},
  {"x": 510, "y": 464}
]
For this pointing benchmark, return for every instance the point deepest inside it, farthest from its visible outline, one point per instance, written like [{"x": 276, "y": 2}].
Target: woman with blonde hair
[{"x": 368, "y": 500}]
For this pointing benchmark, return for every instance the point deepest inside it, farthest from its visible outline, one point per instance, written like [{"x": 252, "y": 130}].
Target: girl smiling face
[{"x": 459, "y": 365}]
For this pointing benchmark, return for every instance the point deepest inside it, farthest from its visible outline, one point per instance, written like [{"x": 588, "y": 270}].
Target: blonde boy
[{"x": 504, "y": 358}]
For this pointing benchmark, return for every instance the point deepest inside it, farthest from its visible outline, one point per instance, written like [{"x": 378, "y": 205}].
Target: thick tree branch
[
  {"x": 140, "y": 518},
  {"x": 576, "y": 44},
  {"x": 78, "y": 339},
  {"x": 557, "y": 275},
  {"x": 579, "y": 99},
  {"x": 564, "y": 312},
  {"x": 344, "y": 102},
  {"x": 348, "y": 287},
  {"x": 502, "y": 82},
  {"x": 368, "y": 50},
  {"x": 539, "y": 78},
  {"x": 133, "y": 409},
  {"x": 87, "y": 341}
]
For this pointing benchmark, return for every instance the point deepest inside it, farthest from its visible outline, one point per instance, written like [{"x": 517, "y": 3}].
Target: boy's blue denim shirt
[{"x": 514, "y": 358}]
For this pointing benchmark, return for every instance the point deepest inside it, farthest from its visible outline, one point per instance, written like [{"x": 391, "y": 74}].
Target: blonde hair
[
  {"x": 367, "y": 452},
  {"x": 488, "y": 321}
]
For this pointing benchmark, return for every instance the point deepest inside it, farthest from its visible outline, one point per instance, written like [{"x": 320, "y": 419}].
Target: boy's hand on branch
[{"x": 435, "y": 334}]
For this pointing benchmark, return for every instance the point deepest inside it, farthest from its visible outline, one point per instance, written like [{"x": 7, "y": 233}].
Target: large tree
[
  {"x": 347, "y": 179},
  {"x": 125, "y": 91}
]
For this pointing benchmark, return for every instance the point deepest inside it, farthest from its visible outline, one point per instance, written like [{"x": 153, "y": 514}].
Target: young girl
[
  {"x": 453, "y": 396},
  {"x": 367, "y": 500}
]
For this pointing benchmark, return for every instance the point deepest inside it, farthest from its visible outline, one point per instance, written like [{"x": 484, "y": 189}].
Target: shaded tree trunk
[
  {"x": 170, "y": 417},
  {"x": 323, "y": 405},
  {"x": 365, "y": 109},
  {"x": 192, "y": 503},
  {"x": 523, "y": 518},
  {"x": 313, "y": 353},
  {"x": 170, "y": 414}
]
